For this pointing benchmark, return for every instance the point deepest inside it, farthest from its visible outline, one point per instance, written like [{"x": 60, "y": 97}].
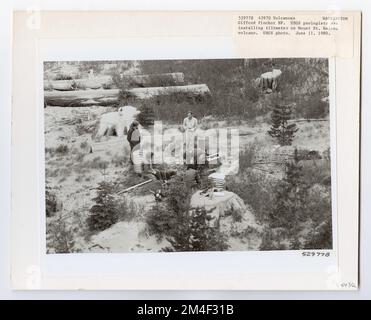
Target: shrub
[
  {"x": 247, "y": 157},
  {"x": 60, "y": 237},
  {"x": 295, "y": 243},
  {"x": 97, "y": 163},
  {"x": 185, "y": 228},
  {"x": 160, "y": 221},
  {"x": 119, "y": 160},
  {"x": 127, "y": 210},
  {"x": 318, "y": 204},
  {"x": 61, "y": 76},
  {"x": 62, "y": 149},
  {"x": 104, "y": 213},
  {"x": 235, "y": 214},
  {"x": 256, "y": 189},
  {"x": 320, "y": 237},
  {"x": 164, "y": 217},
  {"x": 291, "y": 198},
  {"x": 107, "y": 86},
  {"x": 194, "y": 233},
  {"x": 175, "y": 106},
  {"x": 317, "y": 171},
  {"x": 313, "y": 107},
  {"x": 87, "y": 128},
  {"x": 50, "y": 203},
  {"x": 270, "y": 241},
  {"x": 84, "y": 144}
]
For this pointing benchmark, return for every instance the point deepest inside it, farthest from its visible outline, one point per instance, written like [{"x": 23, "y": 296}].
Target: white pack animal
[{"x": 118, "y": 121}]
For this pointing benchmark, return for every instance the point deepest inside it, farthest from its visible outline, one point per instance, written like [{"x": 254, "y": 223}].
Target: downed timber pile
[
  {"x": 109, "y": 97},
  {"x": 147, "y": 93},
  {"x": 74, "y": 84},
  {"x": 82, "y": 98},
  {"x": 106, "y": 81},
  {"x": 156, "y": 80}
]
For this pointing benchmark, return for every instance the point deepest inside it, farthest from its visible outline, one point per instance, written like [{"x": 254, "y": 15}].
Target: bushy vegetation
[
  {"x": 108, "y": 208},
  {"x": 320, "y": 236},
  {"x": 298, "y": 204},
  {"x": 60, "y": 236},
  {"x": 62, "y": 76},
  {"x": 165, "y": 216},
  {"x": 104, "y": 213},
  {"x": 256, "y": 189},
  {"x": 247, "y": 156},
  {"x": 304, "y": 83},
  {"x": 291, "y": 199},
  {"x": 317, "y": 171},
  {"x": 50, "y": 202},
  {"x": 62, "y": 149},
  {"x": 185, "y": 228},
  {"x": 291, "y": 208},
  {"x": 313, "y": 106},
  {"x": 196, "y": 234}
]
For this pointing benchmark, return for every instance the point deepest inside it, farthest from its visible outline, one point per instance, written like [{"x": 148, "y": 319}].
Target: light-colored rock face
[
  {"x": 117, "y": 121},
  {"x": 232, "y": 217},
  {"x": 221, "y": 204},
  {"x": 128, "y": 112}
]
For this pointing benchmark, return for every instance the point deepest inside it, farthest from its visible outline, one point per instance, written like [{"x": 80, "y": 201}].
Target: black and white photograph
[{"x": 187, "y": 155}]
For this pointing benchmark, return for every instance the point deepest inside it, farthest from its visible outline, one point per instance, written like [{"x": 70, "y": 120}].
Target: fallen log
[
  {"x": 106, "y": 82},
  {"x": 109, "y": 97},
  {"x": 133, "y": 187},
  {"x": 155, "y": 80},
  {"x": 147, "y": 93},
  {"x": 75, "y": 84},
  {"x": 82, "y": 98}
]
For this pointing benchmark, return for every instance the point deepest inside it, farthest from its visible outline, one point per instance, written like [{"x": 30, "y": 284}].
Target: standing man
[
  {"x": 133, "y": 135},
  {"x": 190, "y": 126}
]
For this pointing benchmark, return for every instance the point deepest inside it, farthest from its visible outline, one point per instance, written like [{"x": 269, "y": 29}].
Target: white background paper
[{"x": 5, "y": 90}]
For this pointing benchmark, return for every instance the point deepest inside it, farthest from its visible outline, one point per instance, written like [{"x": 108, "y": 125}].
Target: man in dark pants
[
  {"x": 133, "y": 136},
  {"x": 135, "y": 141}
]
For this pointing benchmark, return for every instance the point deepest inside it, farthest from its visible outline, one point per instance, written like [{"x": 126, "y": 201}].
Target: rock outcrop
[{"x": 223, "y": 205}]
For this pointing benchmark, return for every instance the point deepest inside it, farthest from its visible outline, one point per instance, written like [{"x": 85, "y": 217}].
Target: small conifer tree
[
  {"x": 196, "y": 234},
  {"x": 104, "y": 213},
  {"x": 280, "y": 128},
  {"x": 291, "y": 199}
]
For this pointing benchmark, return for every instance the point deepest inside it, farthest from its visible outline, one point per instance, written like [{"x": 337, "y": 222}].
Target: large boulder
[
  {"x": 116, "y": 122},
  {"x": 224, "y": 206}
]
